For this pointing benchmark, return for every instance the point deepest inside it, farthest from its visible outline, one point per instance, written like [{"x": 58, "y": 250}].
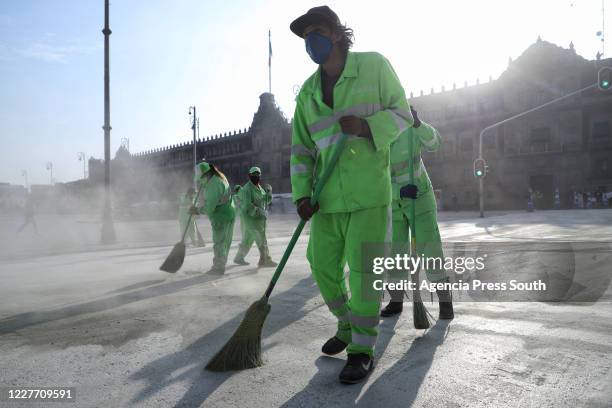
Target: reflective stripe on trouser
[
  {"x": 335, "y": 240},
  {"x": 254, "y": 230},
  {"x": 428, "y": 241},
  {"x": 222, "y": 233}
]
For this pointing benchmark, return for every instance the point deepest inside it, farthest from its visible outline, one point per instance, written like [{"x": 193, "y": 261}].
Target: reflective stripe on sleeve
[
  {"x": 301, "y": 150},
  {"x": 300, "y": 169}
]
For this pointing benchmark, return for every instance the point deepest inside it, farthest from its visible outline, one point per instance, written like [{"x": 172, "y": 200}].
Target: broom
[
  {"x": 243, "y": 350},
  {"x": 175, "y": 259},
  {"x": 419, "y": 312}
]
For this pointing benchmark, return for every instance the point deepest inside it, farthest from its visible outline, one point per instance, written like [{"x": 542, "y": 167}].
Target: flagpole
[{"x": 269, "y": 61}]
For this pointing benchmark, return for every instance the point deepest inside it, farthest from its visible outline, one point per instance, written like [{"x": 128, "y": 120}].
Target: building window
[
  {"x": 540, "y": 136},
  {"x": 601, "y": 130},
  {"x": 467, "y": 144}
]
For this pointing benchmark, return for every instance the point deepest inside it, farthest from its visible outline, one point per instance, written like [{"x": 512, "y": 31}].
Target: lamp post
[
  {"x": 50, "y": 168},
  {"x": 108, "y": 230},
  {"x": 24, "y": 173},
  {"x": 81, "y": 156},
  {"x": 194, "y": 125}
]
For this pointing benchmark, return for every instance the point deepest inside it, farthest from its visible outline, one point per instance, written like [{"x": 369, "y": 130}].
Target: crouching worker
[
  {"x": 254, "y": 202},
  {"x": 421, "y": 194},
  {"x": 219, "y": 207},
  {"x": 358, "y": 94}
]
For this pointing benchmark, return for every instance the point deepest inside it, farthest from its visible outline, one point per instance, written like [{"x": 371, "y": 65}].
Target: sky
[{"x": 168, "y": 55}]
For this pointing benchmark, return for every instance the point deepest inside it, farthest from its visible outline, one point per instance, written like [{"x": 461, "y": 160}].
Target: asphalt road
[{"x": 107, "y": 322}]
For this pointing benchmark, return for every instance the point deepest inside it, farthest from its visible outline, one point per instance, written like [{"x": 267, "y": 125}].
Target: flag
[{"x": 269, "y": 49}]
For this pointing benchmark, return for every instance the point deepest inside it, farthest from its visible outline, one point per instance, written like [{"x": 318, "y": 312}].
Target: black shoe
[
  {"x": 392, "y": 309},
  {"x": 445, "y": 299},
  {"x": 357, "y": 367},
  {"x": 240, "y": 261},
  {"x": 333, "y": 346}
]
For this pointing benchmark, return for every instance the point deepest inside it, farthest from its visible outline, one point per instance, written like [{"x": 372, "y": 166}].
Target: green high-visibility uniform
[
  {"x": 355, "y": 202},
  {"x": 428, "y": 242},
  {"x": 185, "y": 202},
  {"x": 254, "y": 202},
  {"x": 219, "y": 207}
]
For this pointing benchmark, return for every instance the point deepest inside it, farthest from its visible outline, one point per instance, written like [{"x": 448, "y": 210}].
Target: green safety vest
[
  {"x": 425, "y": 136},
  {"x": 368, "y": 88}
]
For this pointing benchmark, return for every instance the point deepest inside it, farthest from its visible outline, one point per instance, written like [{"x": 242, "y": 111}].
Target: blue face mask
[{"x": 318, "y": 47}]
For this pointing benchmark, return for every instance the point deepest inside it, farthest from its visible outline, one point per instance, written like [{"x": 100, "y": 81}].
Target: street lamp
[
  {"x": 24, "y": 173},
  {"x": 81, "y": 156},
  {"x": 50, "y": 168},
  {"x": 194, "y": 126},
  {"x": 108, "y": 230}
]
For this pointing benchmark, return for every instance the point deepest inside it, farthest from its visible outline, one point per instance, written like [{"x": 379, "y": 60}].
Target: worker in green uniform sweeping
[
  {"x": 254, "y": 202},
  {"x": 357, "y": 94},
  {"x": 420, "y": 193},
  {"x": 185, "y": 202},
  {"x": 219, "y": 208}
]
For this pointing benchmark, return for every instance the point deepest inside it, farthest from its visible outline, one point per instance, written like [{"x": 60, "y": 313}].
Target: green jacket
[
  {"x": 368, "y": 88},
  {"x": 217, "y": 197},
  {"x": 425, "y": 136},
  {"x": 254, "y": 200}
]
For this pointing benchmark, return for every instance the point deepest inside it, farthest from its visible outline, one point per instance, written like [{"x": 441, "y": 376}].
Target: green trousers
[
  {"x": 253, "y": 230},
  {"x": 222, "y": 233},
  {"x": 335, "y": 240},
  {"x": 428, "y": 241}
]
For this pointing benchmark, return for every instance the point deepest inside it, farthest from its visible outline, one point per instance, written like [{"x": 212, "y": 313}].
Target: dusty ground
[{"x": 106, "y": 321}]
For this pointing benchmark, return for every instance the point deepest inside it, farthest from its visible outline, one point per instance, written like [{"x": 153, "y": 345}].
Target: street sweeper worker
[
  {"x": 185, "y": 203},
  {"x": 219, "y": 207},
  {"x": 428, "y": 242},
  {"x": 358, "y": 94},
  {"x": 254, "y": 201}
]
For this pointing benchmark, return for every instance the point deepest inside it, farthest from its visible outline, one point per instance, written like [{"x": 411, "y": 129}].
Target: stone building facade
[{"x": 567, "y": 146}]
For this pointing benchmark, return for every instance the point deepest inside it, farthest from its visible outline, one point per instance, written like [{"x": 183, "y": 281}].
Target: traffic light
[
  {"x": 604, "y": 78},
  {"x": 480, "y": 168}
]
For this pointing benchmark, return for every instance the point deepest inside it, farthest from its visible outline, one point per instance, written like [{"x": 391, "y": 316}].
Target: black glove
[
  {"x": 415, "y": 115},
  {"x": 409, "y": 191},
  {"x": 305, "y": 210}
]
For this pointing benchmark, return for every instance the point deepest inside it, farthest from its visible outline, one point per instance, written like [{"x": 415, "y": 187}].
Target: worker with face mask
[
  {"x": 254, "y": 202},
  {"x": 357, "y": 94},
  {"x": 219, "y": 207},
  {"x": 428, "y": 242}
]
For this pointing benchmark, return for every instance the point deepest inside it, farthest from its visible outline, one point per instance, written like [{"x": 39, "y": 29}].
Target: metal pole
[
  {"x": 269, "y": 61},
  {"x": 481, "y": 184},
  {"x": 194, "y": 125},
  {"x": 108, "y": 230}
]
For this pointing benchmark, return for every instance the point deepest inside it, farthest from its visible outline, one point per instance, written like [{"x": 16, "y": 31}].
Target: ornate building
[{"x": 566, "y": 146}]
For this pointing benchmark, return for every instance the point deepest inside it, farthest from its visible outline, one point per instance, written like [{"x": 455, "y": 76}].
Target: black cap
[{"x": 321, "y": 14}]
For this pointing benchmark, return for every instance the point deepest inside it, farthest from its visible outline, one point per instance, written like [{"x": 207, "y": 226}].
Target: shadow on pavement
[
  {"x": 398, "y": 386},
  {"x": 23, "y": 320},
  {"x": 188, "y": 363}
]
